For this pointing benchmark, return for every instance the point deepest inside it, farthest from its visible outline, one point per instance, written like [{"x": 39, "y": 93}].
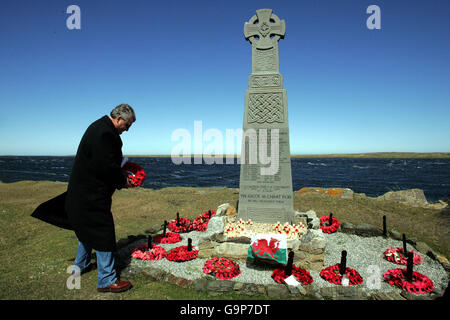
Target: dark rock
[
  {"x": 387, "y": 296},
  {"x": 347, "y": 227},
  {"x": 343, "y": 293},
  {"x": 130, "y": 272},
  {"x": 221, "y": 238},
  {"x": 219, "y": 286},
  {"x": 201, "y": 284},
  {"x": 182, "y": 282},
  {"x": 367, "y": 230},
  {"x": 154, "y": 229},
  {"x": 422, "y": 247},
  {"x": 155, "y": 274},
  {"x": 277, "y": 291},
  {"x": 249, "y": 289},
  {"x": 394, "y": 234},
  {"x": 411, "y": 296}
]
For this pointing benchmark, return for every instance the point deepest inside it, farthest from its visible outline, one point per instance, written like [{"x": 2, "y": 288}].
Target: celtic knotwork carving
[
  {"x": 257, "y": 81},
  {"x": 265, "y": 108}
]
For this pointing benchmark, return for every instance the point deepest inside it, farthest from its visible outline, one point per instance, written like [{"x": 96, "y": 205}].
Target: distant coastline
[
  {"x": 381, "y": 155},
  {"x": 385, "y": 155}
]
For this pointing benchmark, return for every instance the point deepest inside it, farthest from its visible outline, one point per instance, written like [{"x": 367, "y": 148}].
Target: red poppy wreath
[
  {"x": 180, "y": 225},
  {"x": 135, "y": 173},
  {"x": 300, "y": 274},
  {"x": 332, "y": 275},
  {"x": 222, "y": 268},
  {"x": 420, "y": 283},
  {"x": 181, "y": 254},
  {"x": 170, "y": 237},
  {"x": 326, "y": 228},
  {"x": 142, "y": 252},
  {"x": 201, "y": 222},
  {"x": 397, "y": 256}
]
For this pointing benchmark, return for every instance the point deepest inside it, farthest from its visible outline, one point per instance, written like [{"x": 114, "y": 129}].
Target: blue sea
[{"x": 371, "y": 176}]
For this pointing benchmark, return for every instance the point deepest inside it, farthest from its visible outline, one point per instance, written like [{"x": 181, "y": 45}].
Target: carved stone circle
[{"x": 264, "y": 29}]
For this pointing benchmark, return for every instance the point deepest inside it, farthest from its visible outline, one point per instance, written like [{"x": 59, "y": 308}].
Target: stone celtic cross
[
  {"x": 265, "y": 198},
  {"x": 264, "y": 29}
]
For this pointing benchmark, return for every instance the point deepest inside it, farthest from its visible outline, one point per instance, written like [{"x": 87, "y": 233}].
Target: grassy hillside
[{"x": 34, "y": 256}]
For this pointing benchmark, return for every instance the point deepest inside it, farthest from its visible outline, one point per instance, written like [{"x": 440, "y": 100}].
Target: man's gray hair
[{"x": 125, "y": 111}]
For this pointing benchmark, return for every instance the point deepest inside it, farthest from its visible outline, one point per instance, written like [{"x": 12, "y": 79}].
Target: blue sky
[{"x": 349, "y": 89}]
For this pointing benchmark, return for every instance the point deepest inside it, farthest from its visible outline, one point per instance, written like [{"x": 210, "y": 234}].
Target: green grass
[{"x": 34, "y": 256}]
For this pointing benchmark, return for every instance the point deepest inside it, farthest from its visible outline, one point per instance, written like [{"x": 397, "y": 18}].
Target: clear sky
[{"x": 349, "y": 89}]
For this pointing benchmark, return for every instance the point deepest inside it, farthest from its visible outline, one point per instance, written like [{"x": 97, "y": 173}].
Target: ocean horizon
[{"x": 371, "y": 176}]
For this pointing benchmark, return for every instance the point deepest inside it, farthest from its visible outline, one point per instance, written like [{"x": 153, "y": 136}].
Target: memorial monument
[{"x": 266, "y": 193}]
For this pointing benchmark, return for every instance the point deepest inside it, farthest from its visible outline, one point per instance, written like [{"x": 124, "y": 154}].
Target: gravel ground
[{"x": 363, "y": 254}]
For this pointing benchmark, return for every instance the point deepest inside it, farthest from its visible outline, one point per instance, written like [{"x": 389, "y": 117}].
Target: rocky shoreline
[{"x": 409, "y": 197}]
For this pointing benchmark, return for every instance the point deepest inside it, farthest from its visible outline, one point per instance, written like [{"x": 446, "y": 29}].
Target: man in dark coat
[{"x": 95, "y": 175}]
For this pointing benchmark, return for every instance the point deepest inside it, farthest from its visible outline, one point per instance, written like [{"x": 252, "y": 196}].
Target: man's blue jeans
[{"x": 105, "y": 264}]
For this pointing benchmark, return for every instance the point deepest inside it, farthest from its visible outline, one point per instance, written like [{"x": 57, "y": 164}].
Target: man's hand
[{"x": 128, "y": 184}]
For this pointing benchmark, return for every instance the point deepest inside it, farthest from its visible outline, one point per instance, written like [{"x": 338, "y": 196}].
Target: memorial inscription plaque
[{"x": 265, "y": 184}]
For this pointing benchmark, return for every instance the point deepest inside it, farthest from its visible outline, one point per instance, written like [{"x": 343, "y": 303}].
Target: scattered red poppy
[
  {"x": 180, "y": 225},
  {"x": 396, "y": 255},
  {"x": 222, "y": 268},
  {"x": 324, "y": 221},
  {"x": 332, "y": 275},
  {"x": 142, "y": 252},
  {"x": 201, "y": 222},
  {"x": 181, "y": 254},
  {"x": 303, "y": 276},
  {"x": 420, "y": 283},
  {"x": 171, "y": 237},
  {"x": 135, "y": 173}
]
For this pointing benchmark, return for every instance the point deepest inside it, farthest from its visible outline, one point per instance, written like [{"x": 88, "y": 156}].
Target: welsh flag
[{"x": 269, "y": 247}]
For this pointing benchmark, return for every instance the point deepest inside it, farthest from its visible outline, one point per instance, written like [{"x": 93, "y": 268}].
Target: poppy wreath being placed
[
  {"x": 303, "y": 276},
  {"x": 142, "y": 252},
  {"x": 135, "y": 173},
  {"x": 171, "y": 237},
  {"x": 180, "y": 225},
  {"x": 420, "y": 284},
  {"x": 222, "y": 268},
  {"x": 332, "y": 275},
  {"x": 325, "y": 227},
  {"x": 201, "y": 222},
  {"x": 396, "y": 255},
  {"x": 181, "y": 254}
]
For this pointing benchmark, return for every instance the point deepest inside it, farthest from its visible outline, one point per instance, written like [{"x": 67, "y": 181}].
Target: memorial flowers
[
  {"x": 135, "y": 173},
  {"x": 142, "y": 252},
  {"x": 397, "y": 255},
  {"x": 222, "y": 268},
  {"x": 326, "y": 227},
  {"x": 180, "y": 225},
  {"x": 181, "y": 254},
  {"x": 248, "y": 228},
  {"x": 303, "y": 276},
  {"x": 169, "y": 237},
  {"x": 332, "y": 275},
  {"x": 420, "y": 283},
  {"x": 201, "y": 222}
]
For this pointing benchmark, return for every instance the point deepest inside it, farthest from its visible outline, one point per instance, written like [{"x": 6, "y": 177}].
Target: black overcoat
[{"x": 95, "y": 175}]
